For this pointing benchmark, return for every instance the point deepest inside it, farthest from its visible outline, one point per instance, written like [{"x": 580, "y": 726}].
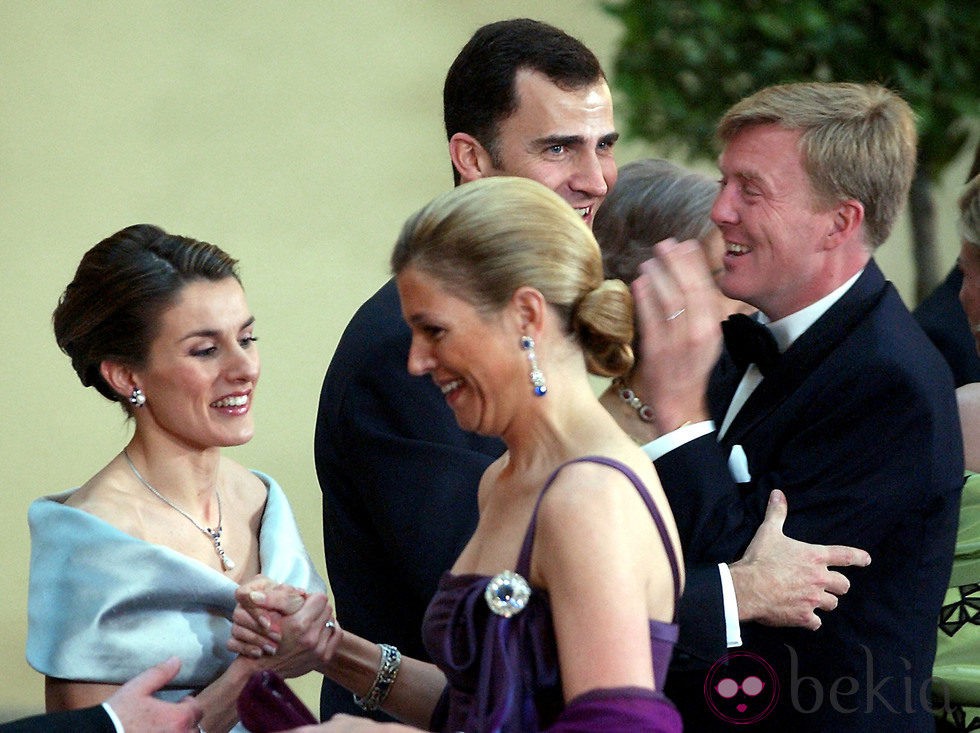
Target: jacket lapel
[{"x": 808, "y": 351}]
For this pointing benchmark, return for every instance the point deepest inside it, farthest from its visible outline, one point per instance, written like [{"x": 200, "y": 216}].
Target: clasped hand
[{"x": 283, "y": 627}]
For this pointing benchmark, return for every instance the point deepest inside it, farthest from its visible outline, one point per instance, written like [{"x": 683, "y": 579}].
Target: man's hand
[
  {"x": 138, "y": 710},
  {"x": 782, "y": 582},
  {"x": 675, "y": 300}
]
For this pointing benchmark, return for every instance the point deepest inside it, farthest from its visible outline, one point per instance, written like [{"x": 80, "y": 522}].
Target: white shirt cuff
[
  {"x": 733, "y": 631},
  {"x": 667, "y": 442},
  {"x": 117, "y": 724}
]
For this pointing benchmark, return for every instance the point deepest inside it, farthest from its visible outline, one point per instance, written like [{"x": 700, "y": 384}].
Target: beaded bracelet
[{"x": 391, "y": 660}]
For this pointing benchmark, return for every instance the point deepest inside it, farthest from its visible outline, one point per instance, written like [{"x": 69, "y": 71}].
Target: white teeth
[
  {"x": 584, "y": 212},
  {"x": 450, "y": 386},
  {"x": 736, "y": 249},
  {"x": 231, "y": 401}
]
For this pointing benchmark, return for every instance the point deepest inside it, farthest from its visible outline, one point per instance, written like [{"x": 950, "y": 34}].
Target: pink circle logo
[{"x": 741, "y": 688}]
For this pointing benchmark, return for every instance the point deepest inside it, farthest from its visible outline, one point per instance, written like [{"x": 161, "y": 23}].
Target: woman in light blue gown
[{"x": 141, "y": 562}]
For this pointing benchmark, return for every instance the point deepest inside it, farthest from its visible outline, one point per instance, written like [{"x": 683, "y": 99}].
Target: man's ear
[
  {"x": 121, "y": 378},
  {"x": 846, "y": 222},
  {"x": 469, "y": 157}
]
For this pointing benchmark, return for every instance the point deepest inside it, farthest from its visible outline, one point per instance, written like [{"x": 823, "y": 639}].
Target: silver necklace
[
  {"x": 627, "y": 395},
  {"x": 212, "y": 534}
]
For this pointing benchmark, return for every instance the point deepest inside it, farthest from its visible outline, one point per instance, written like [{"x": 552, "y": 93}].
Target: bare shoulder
[
  {"x": 243, "y": 485},
  {"x": 590, "y": 492},
  {"x": 106, "y": 495},
  {"x": 594, "y": 524},
  {"x": 597, "y": 507}
]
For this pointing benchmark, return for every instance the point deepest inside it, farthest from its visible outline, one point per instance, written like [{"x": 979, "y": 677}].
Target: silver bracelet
[{"x": 391, "y": 660}]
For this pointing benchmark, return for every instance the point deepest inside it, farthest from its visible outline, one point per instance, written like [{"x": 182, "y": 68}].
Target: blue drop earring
[{"x": 537, "y": 376}]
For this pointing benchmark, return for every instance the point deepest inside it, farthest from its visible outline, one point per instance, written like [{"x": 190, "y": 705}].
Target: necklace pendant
[
  {"x": 226, "y": 562},
  {"x": 213, "y": 534}
]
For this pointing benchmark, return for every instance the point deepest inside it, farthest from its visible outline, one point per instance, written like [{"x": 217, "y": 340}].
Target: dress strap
[{"x": 524, "y": 559}]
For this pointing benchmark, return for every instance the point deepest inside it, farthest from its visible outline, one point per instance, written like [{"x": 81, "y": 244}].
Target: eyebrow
[
  {"x": 211, "y": 333},
  {"x": 742, "y": 175},
  {"x": 750, "y": 177},
  {"x": 417, "y": 319},
  {"x": 571, "y": 140}
]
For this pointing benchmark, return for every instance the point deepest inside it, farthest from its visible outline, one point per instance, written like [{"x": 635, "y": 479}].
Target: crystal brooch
[{"x": 507, "y": 593}]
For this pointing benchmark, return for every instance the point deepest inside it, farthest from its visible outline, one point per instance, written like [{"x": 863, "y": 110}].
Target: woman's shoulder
[
  {"x": 608, "y": 475},
  {"x": 594, "y": 493},
  {"x": 250, "y": 487},
  {"x": 105, "y": 495}
]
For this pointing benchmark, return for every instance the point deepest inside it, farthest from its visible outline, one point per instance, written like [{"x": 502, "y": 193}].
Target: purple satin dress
[{"x": 503, "y": 671}]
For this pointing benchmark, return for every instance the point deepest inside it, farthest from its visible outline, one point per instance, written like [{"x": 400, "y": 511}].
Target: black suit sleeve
[
  {"x": 87, "y": 720},
  {"x": 703, "y": 500},
  {"x": 701, "y": 617},
  {"x": 703, "y": 523}
]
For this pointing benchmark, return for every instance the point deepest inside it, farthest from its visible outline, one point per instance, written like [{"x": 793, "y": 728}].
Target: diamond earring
[{"x": 537, "y": 376}]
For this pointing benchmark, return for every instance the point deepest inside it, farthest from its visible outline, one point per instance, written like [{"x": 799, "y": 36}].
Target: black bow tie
[{"x": 750, "y": 342}]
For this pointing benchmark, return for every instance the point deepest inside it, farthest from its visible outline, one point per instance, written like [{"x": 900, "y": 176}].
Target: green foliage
[{"x": 682, "y": 63}]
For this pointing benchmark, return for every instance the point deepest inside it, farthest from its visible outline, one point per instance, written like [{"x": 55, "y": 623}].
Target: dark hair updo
[{"x": 111, "y": 309}]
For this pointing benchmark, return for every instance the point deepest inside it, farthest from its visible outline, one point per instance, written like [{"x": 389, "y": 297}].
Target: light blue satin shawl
[{"x": 103, "y": 606}]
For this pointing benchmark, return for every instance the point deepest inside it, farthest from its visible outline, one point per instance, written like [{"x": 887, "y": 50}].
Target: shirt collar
[{"x": 786, "y": 330}]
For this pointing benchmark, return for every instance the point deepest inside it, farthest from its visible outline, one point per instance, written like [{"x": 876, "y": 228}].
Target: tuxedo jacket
[
  {"x": 399, "y": 481},
  {"x": 87, "y": 720},
  {"x": 858, "y": 426}
]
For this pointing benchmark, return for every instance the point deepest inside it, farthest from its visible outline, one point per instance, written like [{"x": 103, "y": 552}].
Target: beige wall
[{"x": 296, "y": 135}]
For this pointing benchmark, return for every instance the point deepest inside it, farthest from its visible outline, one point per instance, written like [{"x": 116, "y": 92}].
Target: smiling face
[
  {"x": 774, "y": 227},
  {"x": 202, "y": 368},
  {"x": 562, "y": 139},
  {"x": 473, "y": 357}
]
